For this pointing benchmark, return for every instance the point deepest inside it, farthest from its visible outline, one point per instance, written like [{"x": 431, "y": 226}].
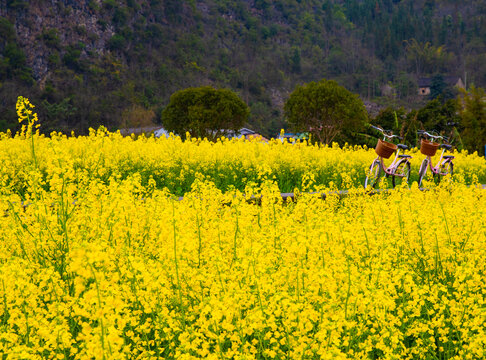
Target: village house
[
  {"x": 158, "y": 131},
  {"x": 424, "y": 84}
]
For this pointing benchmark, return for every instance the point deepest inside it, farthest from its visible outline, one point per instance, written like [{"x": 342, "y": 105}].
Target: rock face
[{"x": 45, "y": 28}]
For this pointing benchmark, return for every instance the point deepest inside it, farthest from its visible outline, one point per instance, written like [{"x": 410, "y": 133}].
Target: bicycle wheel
[
  {"x": 422, "y": 171},
  {"x": 373, "y": 175},
  {"x": 401, "y": 174},
  {"x": 446, "y": 168}
]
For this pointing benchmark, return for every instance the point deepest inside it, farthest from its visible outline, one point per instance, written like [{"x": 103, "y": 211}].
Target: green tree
[
  {"x": 435, "y": 115},
  {"x": 439, "y": 88},
  {"x": 295, "y": 64},
  {"x": 409, "y": 129},
  {"x": 472, "y": 105},
  {"x": 327, "y": 110},
  {"x": 424, "y": 56},
  {"x": 390, "y": 119},
  {"x": 204, "y": 112}
]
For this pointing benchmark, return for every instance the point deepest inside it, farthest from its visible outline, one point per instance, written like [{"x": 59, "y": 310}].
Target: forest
[{"x": 117, "y": 62}]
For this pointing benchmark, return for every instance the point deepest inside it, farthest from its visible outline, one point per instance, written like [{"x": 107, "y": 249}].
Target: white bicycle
[
  {"x": 399, "y": 169},
  {"x": 429, "y": 148}
]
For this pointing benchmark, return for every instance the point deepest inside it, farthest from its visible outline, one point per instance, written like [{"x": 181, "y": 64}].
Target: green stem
[
  {"x": 177, "y": 267},
  {"x": 99, "y": 306}
]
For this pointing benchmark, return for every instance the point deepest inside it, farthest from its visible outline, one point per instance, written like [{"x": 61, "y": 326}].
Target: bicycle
[
  {"x": 444, "y": 166},
  {"x": 399, "y": 169}
]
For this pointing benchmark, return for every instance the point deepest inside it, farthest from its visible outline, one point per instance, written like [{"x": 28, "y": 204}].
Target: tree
[
  {"x": 204, "y": 112},
  {"x": 440, "y": 88},
  {"x": 425, "y": 56},
  {"x": 391, "y": 119},
  {"x": 325, "y": 109},
  {"x": 295, "y": 60},
  {"x": 472, "y": 105},
  {"x": 435, "y": 115}
]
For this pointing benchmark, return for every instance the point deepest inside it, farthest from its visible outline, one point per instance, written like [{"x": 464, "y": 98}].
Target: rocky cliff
[{"x": 45, "y": 28}]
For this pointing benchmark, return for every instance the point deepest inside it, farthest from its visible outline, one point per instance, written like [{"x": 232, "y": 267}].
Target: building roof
[
  {"x": 246, "y": 131},
  {"x": 161, "y": 132},
  {"x": 449, "y": 80},
  {"x": 239, "y": 133},
  {"x": 139, "y": 130}
]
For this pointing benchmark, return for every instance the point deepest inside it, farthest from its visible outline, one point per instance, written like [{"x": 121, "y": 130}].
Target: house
[
  {"x": 158, "y": 131},
  {"x": 243, "y": 132},
  {"x": 291, "y": 137},
  {"x": 247, "y": 134},
  {"x": 161, "y": 132},
  {"x": 424, "y": 84}
]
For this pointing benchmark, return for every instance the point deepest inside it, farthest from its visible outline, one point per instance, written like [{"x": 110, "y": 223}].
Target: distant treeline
[{"x": 260, "y": 49}]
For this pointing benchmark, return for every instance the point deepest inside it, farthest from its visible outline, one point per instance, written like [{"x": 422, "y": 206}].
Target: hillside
[{"x": 116, "y": 63}]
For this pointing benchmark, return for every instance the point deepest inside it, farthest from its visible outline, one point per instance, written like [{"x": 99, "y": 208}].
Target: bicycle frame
[
  {"x": 436, "y": 169},
  {"x": 378, "y": 164},
  {"x": 389, "y": 170}
]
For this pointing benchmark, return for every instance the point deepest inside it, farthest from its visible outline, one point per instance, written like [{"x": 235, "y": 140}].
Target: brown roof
[{"x": 449, "y": 80}]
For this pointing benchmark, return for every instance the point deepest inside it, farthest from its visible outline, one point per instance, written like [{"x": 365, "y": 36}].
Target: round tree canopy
[
  {"x": 204, "y": 112},
  {"x": 325, "y": 109}
]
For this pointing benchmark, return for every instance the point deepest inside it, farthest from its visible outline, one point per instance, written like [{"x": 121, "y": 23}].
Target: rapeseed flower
[{"x": 100, "y": 260}]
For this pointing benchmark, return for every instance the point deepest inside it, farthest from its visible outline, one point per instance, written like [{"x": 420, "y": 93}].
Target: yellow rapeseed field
[
  {"x": 98, "y": 262},
  {"x": 175, "y": 165}
]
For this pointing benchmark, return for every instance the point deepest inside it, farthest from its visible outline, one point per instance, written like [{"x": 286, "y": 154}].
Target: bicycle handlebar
[
  {"x": 423, "y": 132},
  {"x": 384, "y": 132}
]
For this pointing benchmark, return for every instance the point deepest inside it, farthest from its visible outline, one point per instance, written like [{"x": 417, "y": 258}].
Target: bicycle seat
[
  {"x": 445, "y": 146},
  {"x": 402, "y": 146},
  {"x": 404, "y": 156},
  {"x": 448, "y": 157}
]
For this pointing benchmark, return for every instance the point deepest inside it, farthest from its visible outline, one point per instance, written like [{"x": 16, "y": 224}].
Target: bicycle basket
[
  {"x": 385, "y": 149},
  {"x": 428, "y": 148}
]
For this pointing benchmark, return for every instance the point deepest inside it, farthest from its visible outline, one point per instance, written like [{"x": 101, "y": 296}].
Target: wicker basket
[
  {"x": 385, "y": 149},
  {"x": 428, "y": 148}
]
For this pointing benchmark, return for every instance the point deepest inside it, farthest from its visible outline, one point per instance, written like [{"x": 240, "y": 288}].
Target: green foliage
[
  {"x": 7, "y": 31},
  {"x": 173, "y": 9},
  {"x": 12, "y": 58},
  {"x": 439, "y": 88},
  {"x": 109, "y": 4},
  {"x": 410, "y": 126},
  {"x": 295, "y": 59},
  {"x": 327, "y": 110},
  {"x": 15, "y": 55},
  {"x": 17, "y": 4},
  {"x": 120, "y": 16},
  {"x": 51, "y": 38},
  {"x": 260, "y": 48},
  {"x": 57, "y": 113},
  {"x": 472, "y": 107},
  {"x": 390, "y": 119},
  {"x": 93, "y": 5},
  {"x": 204, "y": 112},
  {"x": 435, "y": 115},
  {"x": 116, "y": 42},
  {"x": 54, "y": 60},
  {"x": 71, "y": 57}
]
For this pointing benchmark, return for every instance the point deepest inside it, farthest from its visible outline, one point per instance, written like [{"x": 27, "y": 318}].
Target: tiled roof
[{"x": 427, "y": 82}]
